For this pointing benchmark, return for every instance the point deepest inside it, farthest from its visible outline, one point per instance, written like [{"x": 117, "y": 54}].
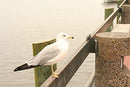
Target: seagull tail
[{"x": 24, "y": 67}]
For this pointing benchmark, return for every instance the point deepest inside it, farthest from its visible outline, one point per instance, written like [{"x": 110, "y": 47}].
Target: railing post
[
  {"x": 42, "y": 72},
  {"x": 125, "y": 19},
  {"x": 108, "y": 12},
  {"x": 111, "y": 47}
]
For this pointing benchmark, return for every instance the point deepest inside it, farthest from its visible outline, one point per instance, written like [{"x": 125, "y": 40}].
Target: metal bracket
[
  {"x": 122, "y": 60},
  {"x": 120, "y": 10},
  {"x": 88, "y": 37},
  {"x": 93, "y": 44},
  {"x": 96, "y": 46}
]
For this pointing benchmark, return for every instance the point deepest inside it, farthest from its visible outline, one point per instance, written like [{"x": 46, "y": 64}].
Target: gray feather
[{"x": 48, "y": 53}]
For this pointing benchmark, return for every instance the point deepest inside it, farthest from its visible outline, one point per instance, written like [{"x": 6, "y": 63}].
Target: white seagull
[{"x": 49, "y": 55}]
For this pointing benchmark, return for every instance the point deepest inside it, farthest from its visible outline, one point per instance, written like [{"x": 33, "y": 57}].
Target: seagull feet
[{"x": 55, "y": 75}]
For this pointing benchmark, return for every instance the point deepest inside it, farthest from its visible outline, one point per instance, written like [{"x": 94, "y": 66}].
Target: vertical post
[
  {"x": 108, "y": 12},
  {"x": 109, "y": 71},
  {"x": 125, "y": 19},
  {"x": 41, "y": 72}
]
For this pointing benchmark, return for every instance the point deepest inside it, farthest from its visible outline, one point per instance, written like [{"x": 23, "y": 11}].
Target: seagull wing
[{"x": 48, "y": 53}]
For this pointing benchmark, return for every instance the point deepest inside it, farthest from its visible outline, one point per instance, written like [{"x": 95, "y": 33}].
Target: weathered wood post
[
  {"x": 112, "y": 47},
  {"x": 108, "y": 12},
  {"x": 42, "y": 72}
]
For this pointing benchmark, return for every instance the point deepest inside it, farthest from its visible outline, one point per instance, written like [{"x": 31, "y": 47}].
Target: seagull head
[{"x": 63, "y": 36}]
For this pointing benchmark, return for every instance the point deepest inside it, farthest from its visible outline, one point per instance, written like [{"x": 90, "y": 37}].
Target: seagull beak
[{"x": 71, "y": 37}]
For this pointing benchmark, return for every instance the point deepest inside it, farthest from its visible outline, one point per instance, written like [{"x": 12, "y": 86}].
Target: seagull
[{"x": 49, "y": 55}]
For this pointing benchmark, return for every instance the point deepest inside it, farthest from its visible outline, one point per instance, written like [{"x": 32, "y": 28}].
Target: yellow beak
[{"x": 71, "y": 37}]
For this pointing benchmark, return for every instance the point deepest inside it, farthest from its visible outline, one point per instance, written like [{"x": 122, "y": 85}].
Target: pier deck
[{"x": 82, "y": 75}]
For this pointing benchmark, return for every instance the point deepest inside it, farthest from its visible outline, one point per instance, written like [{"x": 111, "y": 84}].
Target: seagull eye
[{"x": 63, "y": 35}]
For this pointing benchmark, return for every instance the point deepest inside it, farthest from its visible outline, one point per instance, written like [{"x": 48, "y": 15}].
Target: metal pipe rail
[{"x": 87, "y": 47}]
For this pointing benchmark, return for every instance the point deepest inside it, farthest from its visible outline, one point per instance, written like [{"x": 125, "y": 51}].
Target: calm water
[{"x": 23, "y": 22}]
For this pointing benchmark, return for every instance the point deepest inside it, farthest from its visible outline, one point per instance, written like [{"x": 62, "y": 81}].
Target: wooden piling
[
  {"x": 41, "y": 72},
  {"x": 112, "y": 46},
  {"x": 108, "y": 12}
]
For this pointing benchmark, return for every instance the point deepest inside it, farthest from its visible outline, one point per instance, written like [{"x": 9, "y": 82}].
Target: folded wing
[{"x": 48, "y": 53}]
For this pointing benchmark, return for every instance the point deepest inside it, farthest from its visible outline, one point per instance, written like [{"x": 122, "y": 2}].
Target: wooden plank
[
  {"x": 41, "y": 72},
  {"x": 90, "y": 80},
  {"x": 82, "y": 75},
  {"x": 68, "y": 71}
]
